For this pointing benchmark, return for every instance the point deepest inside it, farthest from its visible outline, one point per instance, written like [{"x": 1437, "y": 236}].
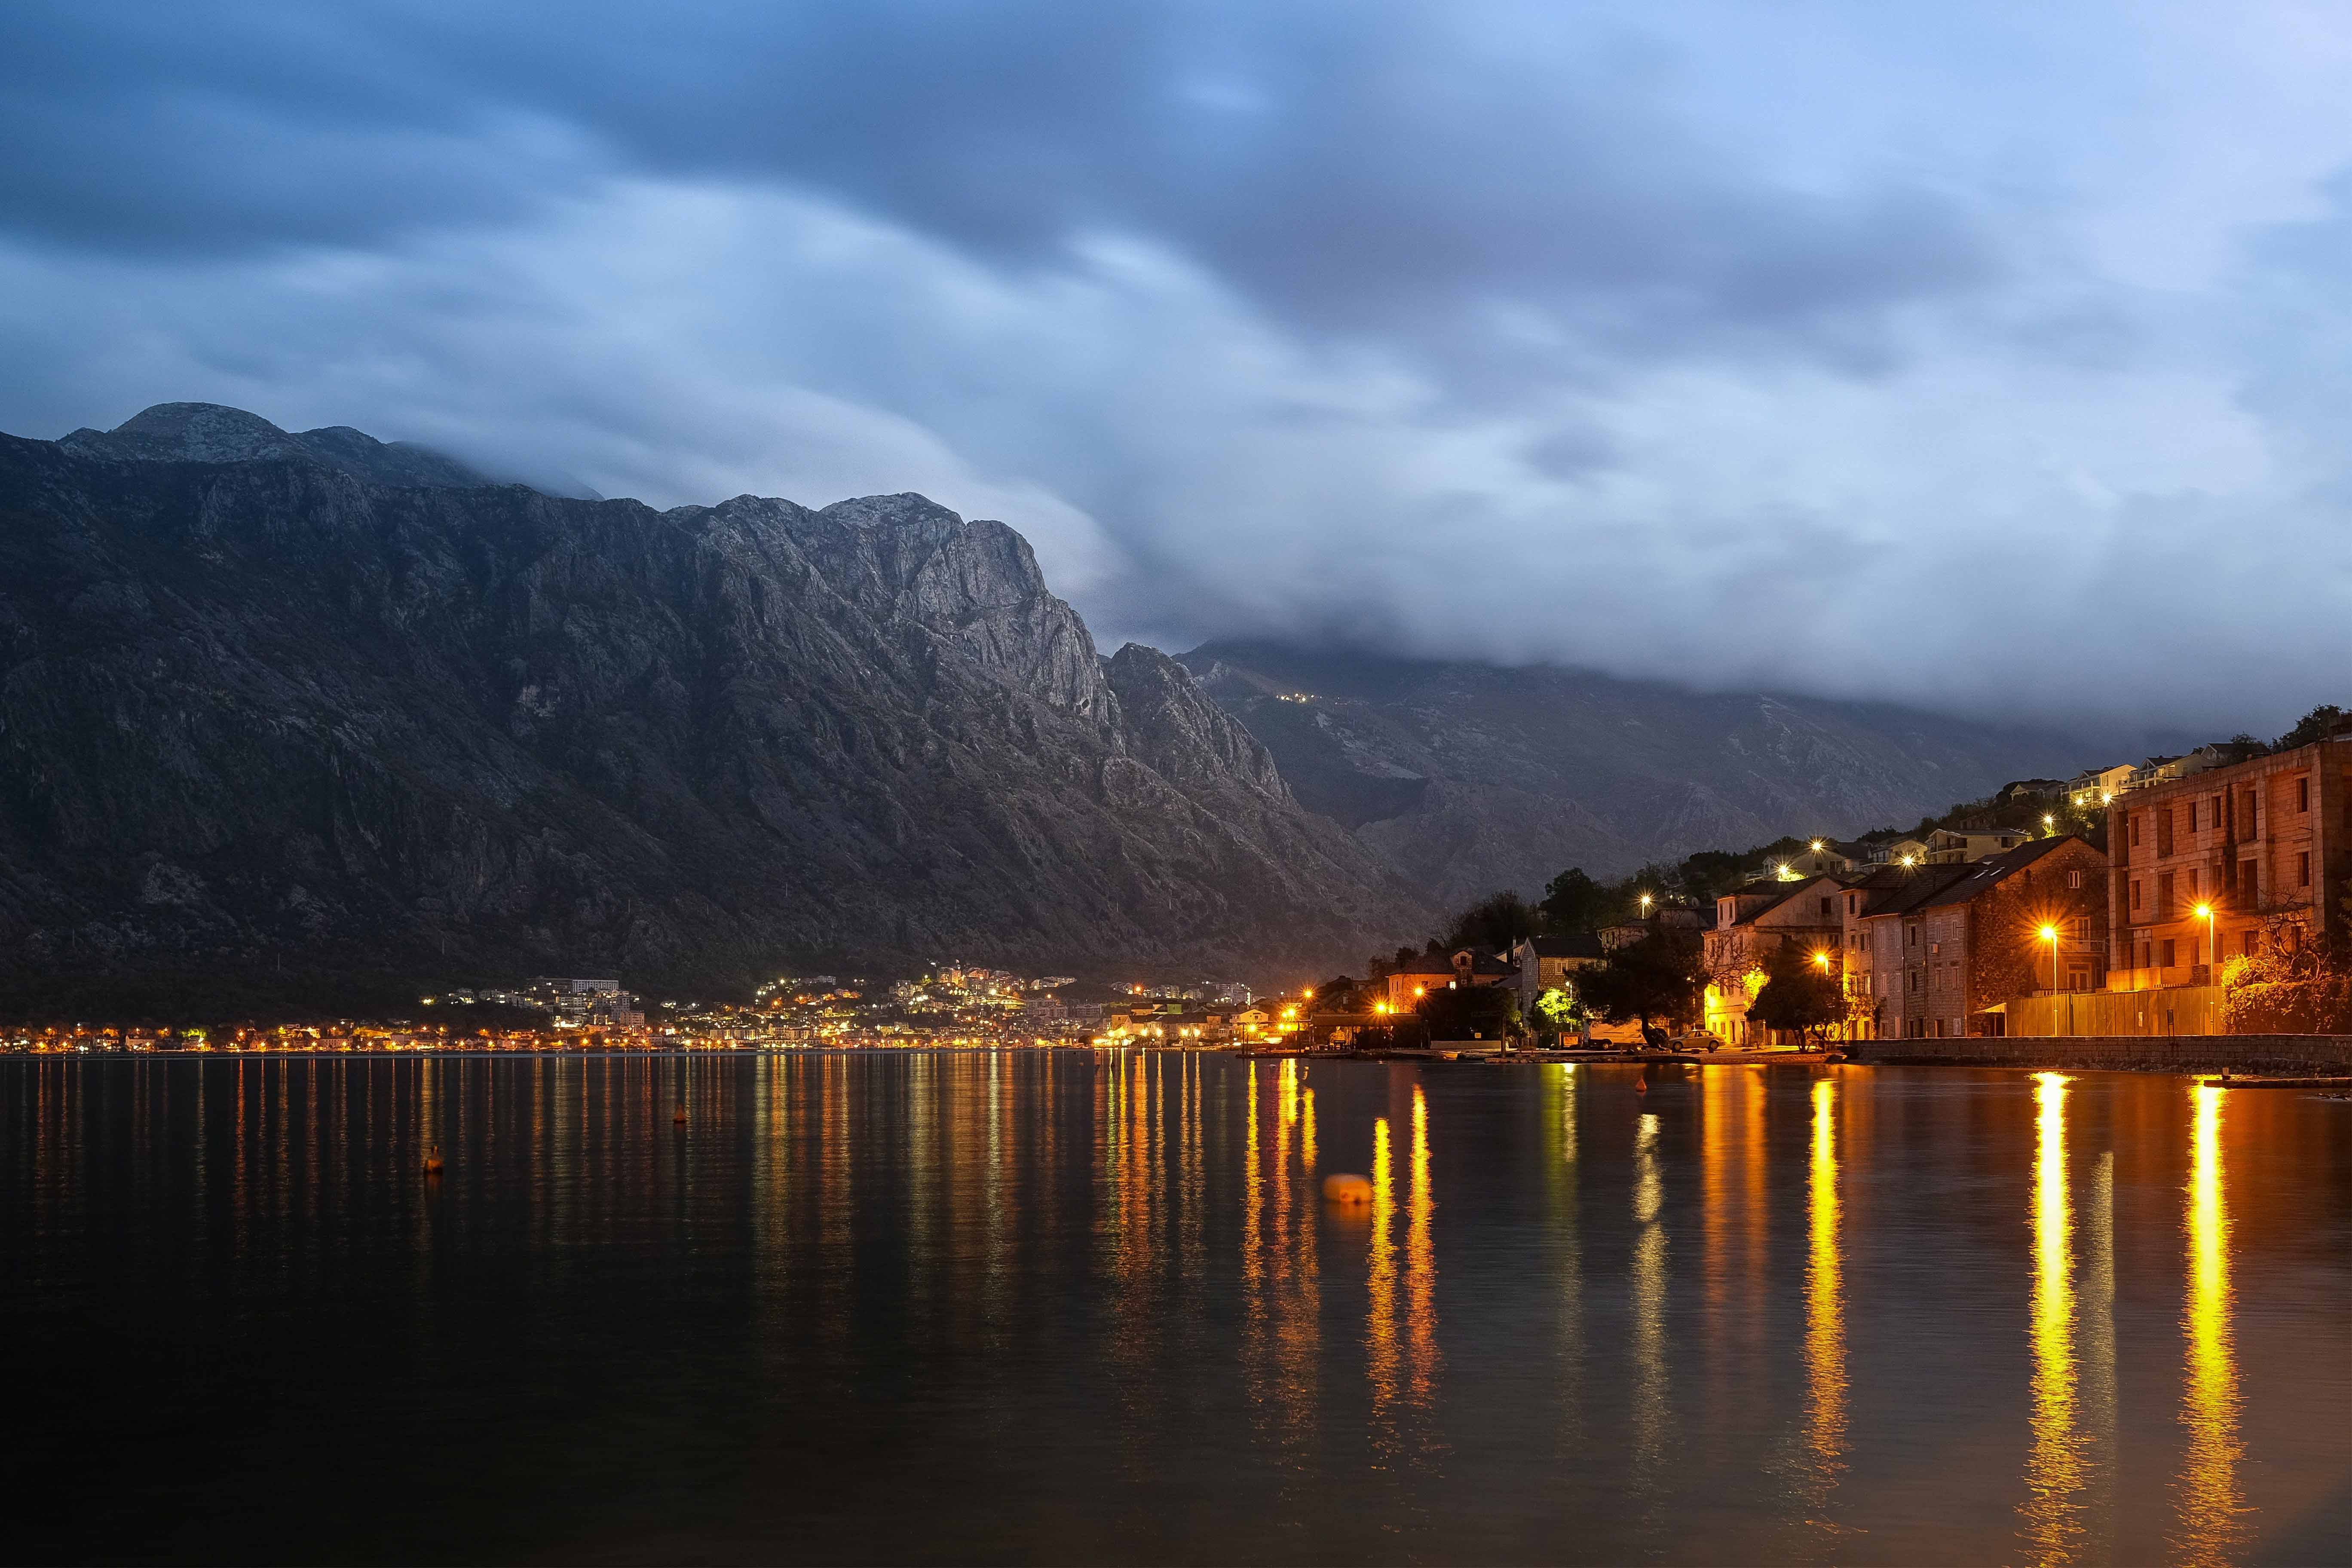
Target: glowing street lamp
[
  {"x": 2050, "y": 935},
  {"x": 1646, "y": 901},
  {"x": 2205, "y": 912}
]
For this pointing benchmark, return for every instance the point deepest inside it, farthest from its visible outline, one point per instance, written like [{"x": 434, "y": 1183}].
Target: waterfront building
[
  {"x": 1929, "y": 953},
  {"x": 2206, "y": 867},
  {"x": 1750, "y": 926}
]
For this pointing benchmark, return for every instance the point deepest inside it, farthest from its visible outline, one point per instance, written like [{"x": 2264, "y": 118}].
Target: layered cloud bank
[{"x": 1992, "y": 362}]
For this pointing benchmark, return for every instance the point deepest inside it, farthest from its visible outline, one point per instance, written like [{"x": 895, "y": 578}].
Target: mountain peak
[
  {"x": 192, "y": 433},
  {"x": 215, "y": 433}
]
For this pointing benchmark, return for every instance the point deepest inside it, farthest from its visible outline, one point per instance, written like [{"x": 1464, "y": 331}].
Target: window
[
  {"x": 1914, "y": 987},
  {"x": 2078, "y": 929},
  {"x": 2303, "y": 869},
  {"x": 2253, "y": 943},
  {"x": 2248, "y": 884},
  {"x": 2074, "y": 878},
  {"x": 2195, "y": 882},
  {"x": 2252, "y": 797},
  {"x": 2192, "y": 817},
  {"x": 2302, "y": 794},
  {"x": 2163, "y": 831},
  {"x": 1911, "y": 936},
  {"x": 2216, "y": 811},
  {"x": 2135, "y": 895},
  {"x": 2164, "y": 895},
  {"x": 2166, "y": 951},
  {"x": 1828, "y": 908},
  {"x": 2133, "y": 820}
]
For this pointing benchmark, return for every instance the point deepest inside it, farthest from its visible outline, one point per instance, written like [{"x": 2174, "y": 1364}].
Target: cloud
[{"x": 1817, "y": 348}]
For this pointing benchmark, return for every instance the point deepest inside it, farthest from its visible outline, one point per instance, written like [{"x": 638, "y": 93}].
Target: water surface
[{"x": 1052, "y": 1306}]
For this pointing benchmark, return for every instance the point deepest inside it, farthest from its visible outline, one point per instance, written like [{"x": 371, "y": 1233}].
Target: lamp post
[
  {"x": 2050, "y": 935},
  {"x": 2205, "y": 913}
]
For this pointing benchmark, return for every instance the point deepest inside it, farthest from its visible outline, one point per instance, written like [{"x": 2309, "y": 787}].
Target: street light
[
  {"x": 2050, "y": 935},
  {"x": 2205, "y": 912},
  {"x": 1645, "y": 903}
]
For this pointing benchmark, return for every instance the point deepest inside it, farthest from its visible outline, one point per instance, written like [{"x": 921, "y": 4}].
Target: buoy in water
[
  {"x": 1641, "y": 1083},
  {"x": 681, "y": 1117},
  {"x": 433, "y": 1160},
  {"x": 1347, "y": 1191}
]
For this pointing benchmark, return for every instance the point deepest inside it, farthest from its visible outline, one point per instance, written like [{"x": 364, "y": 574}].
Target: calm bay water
[{"x": 1057, "y": 1307}]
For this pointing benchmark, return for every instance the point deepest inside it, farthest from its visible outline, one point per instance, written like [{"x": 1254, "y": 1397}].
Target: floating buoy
[
  {"x": 433, "y": 1160},
  {"x": 1347, "y": 1191},
  {"x": 1641, "y": 1083},
  {"x": 681, "y": 1117}
]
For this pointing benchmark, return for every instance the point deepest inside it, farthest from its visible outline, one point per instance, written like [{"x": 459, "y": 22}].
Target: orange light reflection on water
[
  {"x": 2054, "y": 1468},
  {"x": 2210, "y": 1501}
]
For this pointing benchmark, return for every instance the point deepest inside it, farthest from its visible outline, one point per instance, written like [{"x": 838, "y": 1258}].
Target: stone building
[
  {"x": 2207, "y": 867},
  {"x": 1928, "y": 953},
  {"x": 1547, "y": 962},
  {"x": 1752, "y": 924}
]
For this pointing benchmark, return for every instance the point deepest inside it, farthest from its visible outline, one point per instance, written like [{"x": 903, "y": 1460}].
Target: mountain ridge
[
  {"x": 1470, "y": 777},
  {"x": 267, "y": 706}
]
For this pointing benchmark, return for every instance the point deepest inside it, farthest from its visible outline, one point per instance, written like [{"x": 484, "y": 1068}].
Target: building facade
[
  {"x": 1750, "y": 926},
  {"x": 1928, "y": 953},
  {"x": 2207, "y": 867}
]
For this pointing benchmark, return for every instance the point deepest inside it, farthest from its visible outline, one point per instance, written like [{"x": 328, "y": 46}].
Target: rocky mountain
[
  {"x": 313, "y": 702},
  {"x": 1469, "y": 777}
]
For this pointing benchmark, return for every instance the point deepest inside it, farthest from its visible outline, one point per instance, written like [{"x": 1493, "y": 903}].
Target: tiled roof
[
  {"x": 1994, "y": 870},
  {"x": 1577, "y": 944},
  {"x": 1896, "y": 889}
]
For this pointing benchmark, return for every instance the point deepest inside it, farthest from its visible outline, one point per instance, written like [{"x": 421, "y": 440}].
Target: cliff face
[
  {"x": 263, "y": 705},
  {"x": 1469, "y": 777}
]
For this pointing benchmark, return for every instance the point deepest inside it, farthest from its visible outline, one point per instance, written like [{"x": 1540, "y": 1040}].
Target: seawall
[{"x": 2289, "y": 1055}]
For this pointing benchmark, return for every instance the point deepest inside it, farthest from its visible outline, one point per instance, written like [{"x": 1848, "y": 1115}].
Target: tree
[
  {"x": 1471, "y": 1012},
  {"x": 1573, "y": 901},
  {"x": 1800, "y": 993},
  {"x": 1659, "y": 976},
  {"x": 1557, "y": 1010},
  {"x": 1494, "y": 924},
  {"x": 2317, "y": 725},
  {"x": 2295, "y": 983}
]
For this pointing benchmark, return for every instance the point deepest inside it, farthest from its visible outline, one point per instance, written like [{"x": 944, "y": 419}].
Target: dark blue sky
[{"x": 1992, "y": 357}]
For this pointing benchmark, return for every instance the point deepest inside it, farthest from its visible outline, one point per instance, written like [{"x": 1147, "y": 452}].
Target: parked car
[{"x": 1698, "y": 1040}]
